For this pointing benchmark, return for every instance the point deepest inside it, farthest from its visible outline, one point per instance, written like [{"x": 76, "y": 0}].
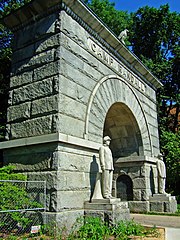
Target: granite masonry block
[
  {"x": 68, "y": 125},
  {"x": 21, "y": 79},
  {"x": 49, "y": 42},
  {"x": 36, "y": 61},
  {"x": 33, "y": 127},
  {"x": 22, "y": 54},
  {"x": 139, "y": 206},
  {"x": 37, "y": 30},
  {"x": 33, "y": 91},
  {"x": 70, "y": 200},
  {"x": 46, "y": 71},
  {"x": 19, "y": 112},
  {"x": 45, "y": 105},
  {"x": 72, "y": 89},
  {"x": 73, "y": 30},
  {"x": 73, "y": 160},
  {"x": 71, "y": 107},
  {"x": 76, "y": 76}
]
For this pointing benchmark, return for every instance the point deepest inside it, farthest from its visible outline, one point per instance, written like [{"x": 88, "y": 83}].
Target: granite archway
[{"x": 114, "y": 92}]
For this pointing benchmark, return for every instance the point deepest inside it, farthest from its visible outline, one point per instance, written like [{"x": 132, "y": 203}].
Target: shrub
[{"x": 14, "y": 196}]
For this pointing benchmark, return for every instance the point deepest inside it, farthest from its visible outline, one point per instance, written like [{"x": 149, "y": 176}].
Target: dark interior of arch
[
  {"x": 124, "y": 188},
  {"x": 121, "y": 125}
]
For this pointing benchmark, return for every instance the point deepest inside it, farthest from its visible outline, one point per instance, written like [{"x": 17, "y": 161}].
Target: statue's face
[{"x": 107, "y": 142}]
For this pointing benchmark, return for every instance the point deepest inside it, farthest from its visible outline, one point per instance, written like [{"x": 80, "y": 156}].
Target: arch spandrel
[{"x": 112, "y": 90}]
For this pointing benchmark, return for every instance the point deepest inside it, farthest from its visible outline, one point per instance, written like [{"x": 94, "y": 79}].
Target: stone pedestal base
[
  {"x": 109, "y": 210},
  {"x": 139, "y": 206},
  {"x": 163, "y": 203}
]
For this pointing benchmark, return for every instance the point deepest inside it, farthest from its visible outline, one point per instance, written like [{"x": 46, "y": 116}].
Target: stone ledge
[
  {"x": 134, "y": 159},
  {"x": 161, "y": 197},
  {"x": 54, "y": 137}
]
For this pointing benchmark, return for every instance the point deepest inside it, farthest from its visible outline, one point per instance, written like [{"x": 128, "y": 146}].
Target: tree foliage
[
  {"x": 116, "y": 20},
  {"x": 155, "y": 36},
  {"x": 14, "y": 196},
  {"x": 170, "y": 144}
]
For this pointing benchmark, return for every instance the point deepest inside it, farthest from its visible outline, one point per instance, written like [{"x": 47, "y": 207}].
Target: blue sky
[{"x": 134, "y": 5}]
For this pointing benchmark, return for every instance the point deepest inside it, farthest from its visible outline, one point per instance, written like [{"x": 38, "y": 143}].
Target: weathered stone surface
[
  {"x": 33, "y": 91},
  {"x": 139, "y": 206},
  {"x": 163, "y": 203},
  {"x": 67, "y": 219},
  {"x": 80, "y": 161},
  {"x": 36, "y": 61},
  {"x": 22, "y": 79},
  {"x": 136, "y": 195},
  {"x": 34, "y": 127},
  {"x": 68, "y": 200},
  {"x": 45, "y": 105},
  {"x": 108, "y": 212},
  {"x": 73, "y": 30},
  {"x": 47, "y": 43},
  {"x": 157, "y": 206},
  {"x": 35, "y": 31},
  {"x": 46, "y": 71},
  {"x": 65, "y": 182},
  {"x": 31, "y": 161},
  {"x": 21, "y": 111},
  {"x": 171, "y": 206},
  {"x": 68, "y": 125},
  {"x": 52, "y": 177},
  {"x": 71, "y": 89},
  {"x": 71, "y": 107},
  {"x": 23, "y": 54},
  {"x": 79, "y": 68},
  {"x": 139, "y": 183}
]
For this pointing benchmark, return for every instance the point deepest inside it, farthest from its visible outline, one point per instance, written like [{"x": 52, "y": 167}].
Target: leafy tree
[
  {"x": 14, "y": 196},
  {"x": 116, "y": 20},
  {"x": 7, "y": 6},
  {"x": 155, "y": 40},
  {"x": 170, "y": 144}
]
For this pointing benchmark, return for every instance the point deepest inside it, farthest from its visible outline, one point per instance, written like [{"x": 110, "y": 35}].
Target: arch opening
[
  {"x": 124, "y": 187},
  {"x": 121, "y": 125}
]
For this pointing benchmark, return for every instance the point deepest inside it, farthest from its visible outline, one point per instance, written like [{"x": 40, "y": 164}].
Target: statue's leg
[
  {"x": 161, "y": 185},
  {"x": 110, "y": 182},
  {"x": 106, "y": 183}
]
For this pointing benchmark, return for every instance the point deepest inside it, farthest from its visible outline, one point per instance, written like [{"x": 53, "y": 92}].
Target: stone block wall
[
  {"x": 143, "y": 174},
  {"x": 33, "y": 91},
  {"x": 69, "y": 172},
  {"x": 53, "y": 76}
]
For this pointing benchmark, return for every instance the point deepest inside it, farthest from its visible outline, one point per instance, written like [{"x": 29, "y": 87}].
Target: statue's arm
[{"x": 101, "y": 158}]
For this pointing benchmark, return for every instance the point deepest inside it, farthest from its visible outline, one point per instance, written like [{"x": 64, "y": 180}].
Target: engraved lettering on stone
[{"x": 104, "y": 56}]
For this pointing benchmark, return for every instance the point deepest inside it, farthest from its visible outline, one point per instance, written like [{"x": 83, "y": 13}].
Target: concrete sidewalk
[{"x": 170, "y": 223}]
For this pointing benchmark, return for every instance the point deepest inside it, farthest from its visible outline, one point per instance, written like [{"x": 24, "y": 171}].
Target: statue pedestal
[
  {"x": 109, "y": 210},
  {"x": 163, "y": 203}
]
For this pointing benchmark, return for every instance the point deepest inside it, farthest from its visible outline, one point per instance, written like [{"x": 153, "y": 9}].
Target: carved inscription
[{"x": 124, "y": 72}]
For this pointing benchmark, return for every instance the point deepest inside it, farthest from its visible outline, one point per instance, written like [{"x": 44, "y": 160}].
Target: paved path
[
  {"x": 157, "y": 220},
  {"x": 170, "y": 223}
]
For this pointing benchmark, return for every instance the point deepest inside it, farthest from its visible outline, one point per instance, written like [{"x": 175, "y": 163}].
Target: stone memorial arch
[{"x": 73, "y": 81}]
